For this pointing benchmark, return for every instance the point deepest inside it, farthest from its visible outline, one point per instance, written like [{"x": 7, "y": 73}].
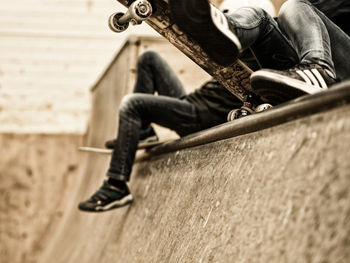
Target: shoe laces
[
  {"x": 100, "y": 194},
  {"x": 304, "y": 67}
]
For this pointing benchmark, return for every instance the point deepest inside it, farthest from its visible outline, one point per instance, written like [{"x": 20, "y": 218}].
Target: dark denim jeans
[
  {"x": 169, "y": 109},
  {"x": 336, "y": 10}
]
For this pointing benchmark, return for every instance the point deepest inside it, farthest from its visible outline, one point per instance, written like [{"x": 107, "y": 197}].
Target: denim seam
[
  {"x": 117, "y": 176},
  {"x": 123, "y": 156},
  {"x": 252, "y": 25}
]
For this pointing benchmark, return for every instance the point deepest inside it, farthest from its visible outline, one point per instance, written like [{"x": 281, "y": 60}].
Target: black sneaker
[
  {"x": 209, "y": 27},
  {"x": 106, "y": 198},
  {"x": 277, "y": 86},
  {"x": 110, "y": 144}
]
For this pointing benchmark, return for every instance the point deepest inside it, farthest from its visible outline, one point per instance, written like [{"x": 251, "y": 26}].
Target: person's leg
[
  {"x": 176, "y": 114},
  {"x": 340, "y": 47},
  {"x": 223, "y": 37},
  {"x": 153, "y": 75},
  {"x": 336, "y": 10},
  {"x": 321, "y": 42},
  {"x": 299, "y": 20},
  {"x": 259, "y": 32},
  {"x": 318, "y": 42}
]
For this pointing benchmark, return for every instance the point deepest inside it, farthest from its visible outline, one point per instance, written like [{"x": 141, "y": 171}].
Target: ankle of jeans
[
  {"x": 328, "y": 66},
  {"x": 119, "y": 177}
]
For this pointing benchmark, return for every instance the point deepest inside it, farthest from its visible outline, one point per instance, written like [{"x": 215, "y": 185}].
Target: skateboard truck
[
  {"x": 248, "y": 108},
  {"x": 138, "y": 11}
]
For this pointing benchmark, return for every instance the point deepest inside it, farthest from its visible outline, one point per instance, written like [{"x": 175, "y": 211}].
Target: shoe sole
[
  {"x": 209, "y": 27},
  {"x": 116, "y": 204},
  {"x": 276, "y": 88}
]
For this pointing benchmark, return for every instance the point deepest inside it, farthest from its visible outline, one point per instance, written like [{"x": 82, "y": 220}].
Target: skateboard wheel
[
  {"x": 143, "y": 9},
  {"x": 114, "y": 25},
  {"x": 234, "y": 114},
  {"x": 263, "y": 107}
]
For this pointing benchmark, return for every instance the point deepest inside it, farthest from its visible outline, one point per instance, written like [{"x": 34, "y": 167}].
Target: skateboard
[
  {"x": 156, "y": 14},
  {"x": 146, "y": 146}
]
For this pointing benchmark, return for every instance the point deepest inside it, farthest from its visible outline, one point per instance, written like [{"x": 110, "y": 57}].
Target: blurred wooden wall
[{"x": 51, "y": 53}]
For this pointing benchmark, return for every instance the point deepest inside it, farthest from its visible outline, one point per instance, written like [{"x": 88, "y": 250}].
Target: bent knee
[
  {"x": 257, "y": 11},
  {"x": 134, "y": 104},
  {"x": 249, "y": 15},
  {"x": 148, "y": 57},
  {"x": 128, "y": 103},
  {"x": 290, "y": 7}
]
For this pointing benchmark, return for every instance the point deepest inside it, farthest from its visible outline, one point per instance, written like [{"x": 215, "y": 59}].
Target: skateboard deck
[
  {"x": 146, "y": 146},
  {"x": 234, "y": 77}
]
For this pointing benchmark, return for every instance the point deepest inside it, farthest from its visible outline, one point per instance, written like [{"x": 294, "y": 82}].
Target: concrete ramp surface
[{"x": 280, "y": 194}]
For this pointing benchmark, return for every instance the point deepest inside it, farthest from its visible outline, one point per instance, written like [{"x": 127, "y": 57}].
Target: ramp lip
[{"x": 303, "y": 106}]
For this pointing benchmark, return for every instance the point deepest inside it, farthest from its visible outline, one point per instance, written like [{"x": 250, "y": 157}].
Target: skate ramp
[
  {"x": 276, "y": 195},
  {"x": 265, "y": 192}
]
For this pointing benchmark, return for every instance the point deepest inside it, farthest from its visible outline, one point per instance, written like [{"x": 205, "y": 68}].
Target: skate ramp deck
[{"x": 254, "y": 190}]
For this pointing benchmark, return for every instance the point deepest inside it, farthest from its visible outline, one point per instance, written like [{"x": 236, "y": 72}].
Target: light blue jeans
[
  {"x": 261, "y": 39},
  {"x": 315, "y": 37},
  {"x": 301, "y": 34}
]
